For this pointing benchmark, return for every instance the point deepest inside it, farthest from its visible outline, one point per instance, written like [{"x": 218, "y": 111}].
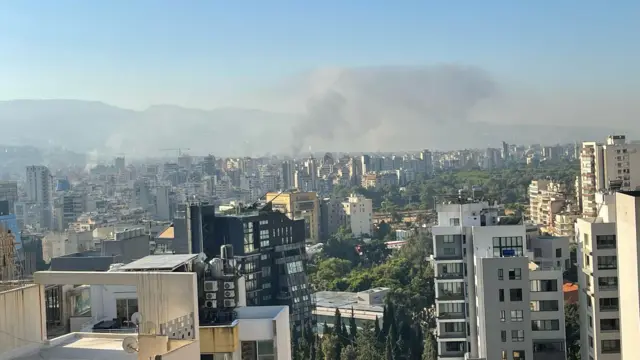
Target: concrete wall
[
  {"x": 22, "y": 320},
  {"x": 103, "y": 299},
  {"x": 182, "y": 350}
]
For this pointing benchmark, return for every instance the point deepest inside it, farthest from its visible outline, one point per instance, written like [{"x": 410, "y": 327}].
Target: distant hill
[{"x": 94, "y": 126}]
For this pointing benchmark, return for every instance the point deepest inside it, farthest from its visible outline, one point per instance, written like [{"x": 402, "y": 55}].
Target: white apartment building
[
  {"x": 628, "y": 237},
  {"x": 615, "y": 164},
  {"x": 546, "y": 199},
  {"x": 358, "y": 212},
  {"x": 492, "y": 302},
  {"x": 598, "y": 282}
]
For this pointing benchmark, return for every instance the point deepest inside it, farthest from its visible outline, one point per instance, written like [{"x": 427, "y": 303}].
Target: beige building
[
  {"x": 546, "y": 199},
  {"x": 627, "y": 222},
  {"x": 358, "y": 212},
  {"x": 613, "y": 165},
  {"x": 299, "y": 205}
]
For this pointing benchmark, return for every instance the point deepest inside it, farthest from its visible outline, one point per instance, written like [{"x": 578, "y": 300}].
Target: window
[
  {"x": 515, "y": 294},
  {"x": 609, "y": 304},
  {"x": 501, "y": 295},
  {"x": 504, "y": 355},
  {"x": 266, "y": 271},
  {"x": 515, "y": 274},
  {"x": 503, "y": 336},
  {"x": 608, "y": 283},
  {"x": 455, "y": 327},
  {"x": 537, "y": 252},
  {"x": 607, "y": 262},
  {"x": 545, "y": 325},
  {"x": 257, "y": 350},
  {"x": 518, "y": 355},
  {"x": 558, "y": 253},
  {"x": 500, "y": 274},
  {"x": 517, "y": 335},
  {"x": 590, "y": 342},
  {"x": 610, "y": 346},
  {"x": 507, "y": 246},
  {"x": 586, "y": 239},
  {"x": 517, "y": 315},
  {"x": 448, "y": 239},
  {"x": 503, "y": 316},
  {"x": 449, "y": 251},
  {"x": 544, "y": 305},
  {"x": 606, "y": 241},
  {"x": 125, "y": 308},
  {"x": 294, "y": 267},
  {"x": 543, "y": 285},
  {"x": 454, "y": 222},
  {"x": 609, "y": 324}
]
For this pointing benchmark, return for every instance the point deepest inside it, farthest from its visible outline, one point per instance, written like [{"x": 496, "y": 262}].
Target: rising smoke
[{"x": 377, "y": 104}]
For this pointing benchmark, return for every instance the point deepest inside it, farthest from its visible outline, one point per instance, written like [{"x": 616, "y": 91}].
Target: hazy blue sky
[{"x": 135, "y": 53}]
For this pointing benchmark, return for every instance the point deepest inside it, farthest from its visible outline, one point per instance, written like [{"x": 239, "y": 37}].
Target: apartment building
[
  {"x": 358, "y": 212},
  {"x": 613, "y": 165},
  {"x": 299, "y": 205},
  {"x": 492, "y": 301},
  {"x": 598, "y": 281},
  {"x": 628, "y": 237},
  {"x": 546, "y": 199}
]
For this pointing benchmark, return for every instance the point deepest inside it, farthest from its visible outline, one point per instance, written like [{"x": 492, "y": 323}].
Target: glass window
[
  {"x": 607, "y": 262},
  {"x": 501, "y": 295},
  {"x": 503, "y": 316},
  {"x": 606, "y": 241},
  {"x": 515, "y": 294},
  {"x": 545, "y": 325},
  {"x": 515, "y": 274},
  {"x": 517, "y": 335},
  {"x": 500, "y": 274},
  {"x": 503, "y": 336},
  {"x": 611, "y": 346},
  {"x": 543, "y": 285},
  {"x": 517, "y": 315}
]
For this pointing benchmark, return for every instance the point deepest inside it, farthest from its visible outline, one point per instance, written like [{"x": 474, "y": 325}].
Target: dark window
[
  {"x": 606, "y": 241},
  {"x": 503, "y": 335},
  {"x": 545, "y": 325},
  {"x": 609, "y": 324},
  {"x": 611, "y": 346},
  {"x": 544, "y": 305},
  {"x": 508, "y": 246},
  {"x": 608, "y": 283},
  {"x": 609, "y": 304},
  {"x": 543, "y": 285},
  {"x": 517, "y": 335},
  {"x": 501, "y": 295},
  {"x": 515, "y": 274},
  {"x": 607, "y": 262},
  {"x": 500, "y": 274},
  {"x": 515, "y": 294},
  {"x": 558, "y": 253}
]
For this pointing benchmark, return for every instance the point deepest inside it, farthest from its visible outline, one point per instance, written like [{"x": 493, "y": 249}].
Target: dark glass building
[{"x": 269, "y": 249}]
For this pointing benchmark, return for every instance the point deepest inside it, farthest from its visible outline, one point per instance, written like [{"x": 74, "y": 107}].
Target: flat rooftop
[
  {"x": 82, "y": 346},
  {"x": 344, "y": 300},
  {"x": 167, "y": 262},
  {"x": 259, "y": 312}
]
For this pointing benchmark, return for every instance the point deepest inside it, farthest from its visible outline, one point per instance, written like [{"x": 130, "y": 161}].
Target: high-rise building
[
  {"x": 614, "y": 165},
  {"x": 120, "y": 164},
  {"x": 366, "y": 163},
  {"x": 505, "y": 151},
  {"x": 628, "y": 270},
  {"x": 9, "y": 192},
  {"x": 163, "y": 202},
  {"x": 492, "y": 300},
  {"x": 39, "y": 188},
  {"x": 598, "y": 279},
  {"x": 286, "y": 175},
  {"x": 427, "y": 161},
  {"x": 209, "y": 165},
  {"x": 299, "y": 205},
  {"x": 73, "y": 204},
  {"x": 546, "y": 199}
]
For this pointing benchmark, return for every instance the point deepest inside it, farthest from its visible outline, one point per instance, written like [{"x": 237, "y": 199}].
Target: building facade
[{"x": 492, "y": 300}]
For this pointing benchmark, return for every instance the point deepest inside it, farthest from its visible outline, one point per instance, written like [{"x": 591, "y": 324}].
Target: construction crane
[{"x": 179, "y": 150}]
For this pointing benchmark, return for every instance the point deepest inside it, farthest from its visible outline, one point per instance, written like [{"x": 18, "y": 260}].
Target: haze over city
[{"x": 356, "y": 76}]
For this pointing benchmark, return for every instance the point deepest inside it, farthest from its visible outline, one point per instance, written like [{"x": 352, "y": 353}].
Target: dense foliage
[{"x": 506, "y": 185}]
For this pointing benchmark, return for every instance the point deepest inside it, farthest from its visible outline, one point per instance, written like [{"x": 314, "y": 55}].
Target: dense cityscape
[{"x": 358, "y": 256}]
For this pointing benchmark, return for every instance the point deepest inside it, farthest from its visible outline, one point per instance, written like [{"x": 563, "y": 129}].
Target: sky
[{"x": 136, "y": 53}]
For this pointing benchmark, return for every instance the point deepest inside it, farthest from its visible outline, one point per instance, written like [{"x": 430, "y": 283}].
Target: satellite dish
[
  {"x": 136, "y": 318},
  {"x": 130, "y": 344}
]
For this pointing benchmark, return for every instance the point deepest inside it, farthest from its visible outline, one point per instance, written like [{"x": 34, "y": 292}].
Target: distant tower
[
  {"x": 286, "y": 175},
  {"x": 120, "y": 164}
]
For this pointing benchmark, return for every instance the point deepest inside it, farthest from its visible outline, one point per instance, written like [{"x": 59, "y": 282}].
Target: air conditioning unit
[
  {"x": 210, "y": 304},
  {"x": 229, "y": 285},
  {"x": 229, "y": 294},
  {"x": 210, "y": 296},
  {"x": 210, "y": 286},
  {"x": 229, "y": 303}
]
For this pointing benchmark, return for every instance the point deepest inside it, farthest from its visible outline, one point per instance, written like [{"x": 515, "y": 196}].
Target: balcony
[
  {"x": 449, "y": 296},
  {"x": 451, "y": 316},
  {"x": 443, "y": 257},
  {"x": 608, "y": 287},
  {"x": 450, "y": 276}
]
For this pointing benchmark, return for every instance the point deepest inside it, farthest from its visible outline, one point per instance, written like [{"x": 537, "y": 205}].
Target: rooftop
[
  {"x": 159, "y": 262},
  {"x": 259, "y": 312},
  {"x": 82, "y": 346},
  {"x": 343, "y": 300}
]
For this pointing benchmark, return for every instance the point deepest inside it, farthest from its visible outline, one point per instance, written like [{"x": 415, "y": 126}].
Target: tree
[
  {"x": 353, "y": 327},
  {"x": 349, "y": 353},
  {"x": 319, "y": 351},
  {"x": 572, "y": 331},
  {"x": 331, "y": 347},
  {"x": 325, "y": 329},
  {"x": 376, "y": 327},
  {"x": 430, "y": 347}
]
